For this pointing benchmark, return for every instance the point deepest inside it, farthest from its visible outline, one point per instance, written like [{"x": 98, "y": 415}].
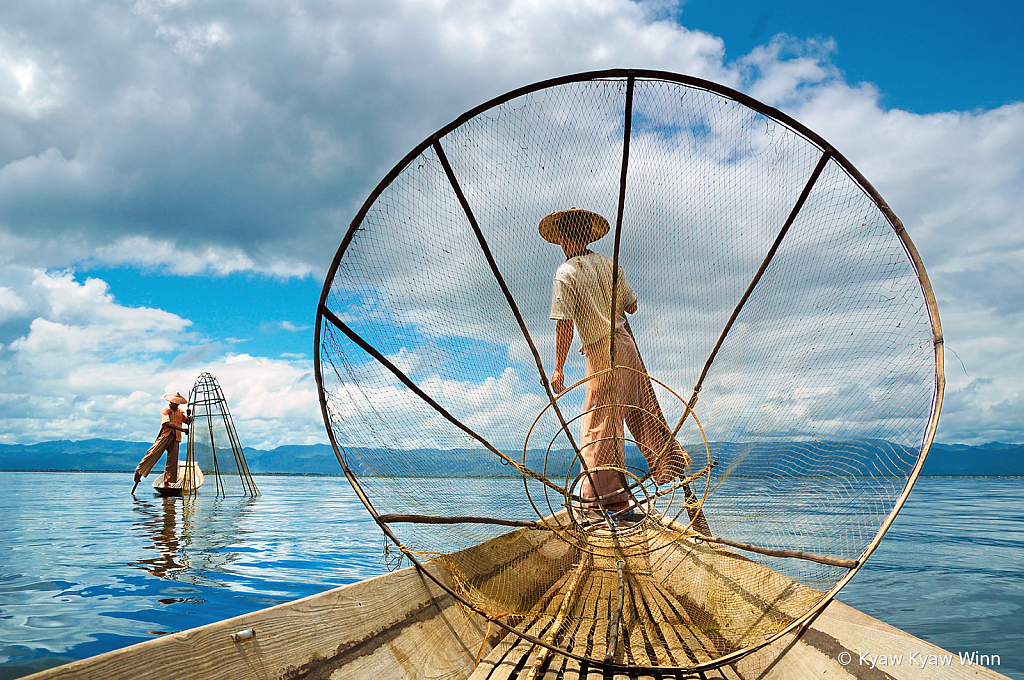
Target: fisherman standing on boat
[
  {"x": 582, "y": 299},
  {"x": 172, "y": 422}
]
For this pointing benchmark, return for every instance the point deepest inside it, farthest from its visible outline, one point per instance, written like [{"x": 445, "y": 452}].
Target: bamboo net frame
[
  {"x": 694, "y": 174},
  {"x": 213, "y": 443}
]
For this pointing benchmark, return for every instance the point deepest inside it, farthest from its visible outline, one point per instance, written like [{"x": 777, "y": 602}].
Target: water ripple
[{"x": 86, "y": 568}]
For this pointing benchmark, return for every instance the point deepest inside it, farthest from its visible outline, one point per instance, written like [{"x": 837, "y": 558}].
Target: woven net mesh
[
  {"x": 811, "y": 420},
  {"x": 213, "y": 447}
]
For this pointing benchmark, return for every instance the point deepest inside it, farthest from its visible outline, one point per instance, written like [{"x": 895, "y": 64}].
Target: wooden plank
[
  {"x": 493, "y": 660},
  {"x": 399, "y": 625},
  {"x": 741, "y": 599},
  {"x": 584, "y": 629},
  {"x": 507, "y": 668},
  {"x": 607, "y": 587},
  {"x": 503, "y": 659},
  {"x": 840, "y": 629},
  {"x": 633, "y": 625},
  {"x": 554, "y": 668},
  {"x": 675, "y": 652}
]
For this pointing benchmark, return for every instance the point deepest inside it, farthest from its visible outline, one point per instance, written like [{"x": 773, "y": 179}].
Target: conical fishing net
[
  {"x": 785, "y": 336},
  {"x": 214, "y": 454}
]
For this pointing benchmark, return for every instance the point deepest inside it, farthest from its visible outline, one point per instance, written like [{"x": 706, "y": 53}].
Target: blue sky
[
  {"x": 198, "y": 163},
  {"x": 261, "y": 315},
  {"x": 922, "y": 57}
]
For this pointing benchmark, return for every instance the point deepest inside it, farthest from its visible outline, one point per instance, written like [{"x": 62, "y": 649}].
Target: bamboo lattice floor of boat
[{"x": 649, "y": 633}]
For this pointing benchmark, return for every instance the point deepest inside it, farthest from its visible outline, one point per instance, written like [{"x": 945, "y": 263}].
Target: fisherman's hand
[{"x": 558, "y": 382}]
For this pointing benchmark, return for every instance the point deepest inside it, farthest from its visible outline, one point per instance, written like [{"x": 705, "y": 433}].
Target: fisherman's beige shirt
[
  {"x": 174, "y": 417},
  {"x": 583, "y": 294}
]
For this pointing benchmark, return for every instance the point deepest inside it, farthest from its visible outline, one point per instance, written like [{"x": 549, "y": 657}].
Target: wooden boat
[
  {"x": 405, "y": 625},
  {"x": 189, "y": 483}
]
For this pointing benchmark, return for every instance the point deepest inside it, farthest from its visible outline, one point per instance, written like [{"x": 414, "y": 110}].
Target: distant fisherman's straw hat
[
  {"x": 550, "y": 225},
  {"x": 175, "y": 398}
]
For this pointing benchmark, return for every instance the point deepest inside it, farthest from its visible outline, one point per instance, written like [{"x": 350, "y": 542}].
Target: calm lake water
[{"x": 86, "y": 568}]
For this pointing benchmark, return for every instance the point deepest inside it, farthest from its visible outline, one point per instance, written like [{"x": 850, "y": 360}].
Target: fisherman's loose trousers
[
  {"x": 628, "y": 398},
  {"x": 167, "y": 441}
]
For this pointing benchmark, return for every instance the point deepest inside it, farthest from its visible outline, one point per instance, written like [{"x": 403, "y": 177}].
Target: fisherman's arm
[
  {"x": 563, "y": 340},
  {"x": 628, "y": 294},
  {"x": 185, "y": 419}
]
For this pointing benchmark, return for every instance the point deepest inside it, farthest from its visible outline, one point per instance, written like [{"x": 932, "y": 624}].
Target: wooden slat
[
  {"x": 607, "y": 588},
  {"x": 585, "y": 623},
  {"x": 501, "y": 662},
  {"x": 507, "y": 668},
  {"x": 554, "y": 667},
  {"x": 701, "y": 647},
  {"x": 634, "y": 623},
  {"x": 675, "y": 651}
]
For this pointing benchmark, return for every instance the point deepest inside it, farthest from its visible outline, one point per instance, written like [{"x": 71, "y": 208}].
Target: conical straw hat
[
  {"x": 175, "y": 398},
  {"x": 549, "y": 225}
]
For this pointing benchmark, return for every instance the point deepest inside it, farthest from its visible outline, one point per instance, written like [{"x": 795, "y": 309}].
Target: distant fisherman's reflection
[
  {"x": 192, "y": 536},
  {"x": 161, "y": 526}
]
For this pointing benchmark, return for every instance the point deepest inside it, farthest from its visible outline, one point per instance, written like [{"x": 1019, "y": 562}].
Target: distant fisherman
[{"x": 172, "y": 422}]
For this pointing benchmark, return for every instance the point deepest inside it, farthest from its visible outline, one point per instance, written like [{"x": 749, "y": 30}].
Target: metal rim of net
[{"x": 325, "y": 316}]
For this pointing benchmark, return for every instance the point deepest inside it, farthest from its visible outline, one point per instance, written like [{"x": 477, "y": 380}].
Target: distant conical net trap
[
  {"x": 214, "y": 452},
  {"x": 760, "y": 381}
]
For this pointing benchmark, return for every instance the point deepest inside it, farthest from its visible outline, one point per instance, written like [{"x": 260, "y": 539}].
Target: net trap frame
[
  {"x": 720, "y": 465},
  {"x": 213, "y": 446}
]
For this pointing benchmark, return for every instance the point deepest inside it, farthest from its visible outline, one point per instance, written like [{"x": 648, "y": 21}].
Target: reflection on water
[
  {"x": 85, "y": 568},
  {"x": 161, "y": 526},
  {"x": 190, "y": 537}
]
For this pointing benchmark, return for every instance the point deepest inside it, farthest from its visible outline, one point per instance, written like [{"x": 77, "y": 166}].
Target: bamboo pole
[
  {"x": 773, "y": 552},
  {"x": 429, "y": 519},
  {"x": 613, "y": 628}
]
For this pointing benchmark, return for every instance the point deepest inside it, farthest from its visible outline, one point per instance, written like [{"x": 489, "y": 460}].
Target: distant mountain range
[{"x": 987, "y": 460}]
